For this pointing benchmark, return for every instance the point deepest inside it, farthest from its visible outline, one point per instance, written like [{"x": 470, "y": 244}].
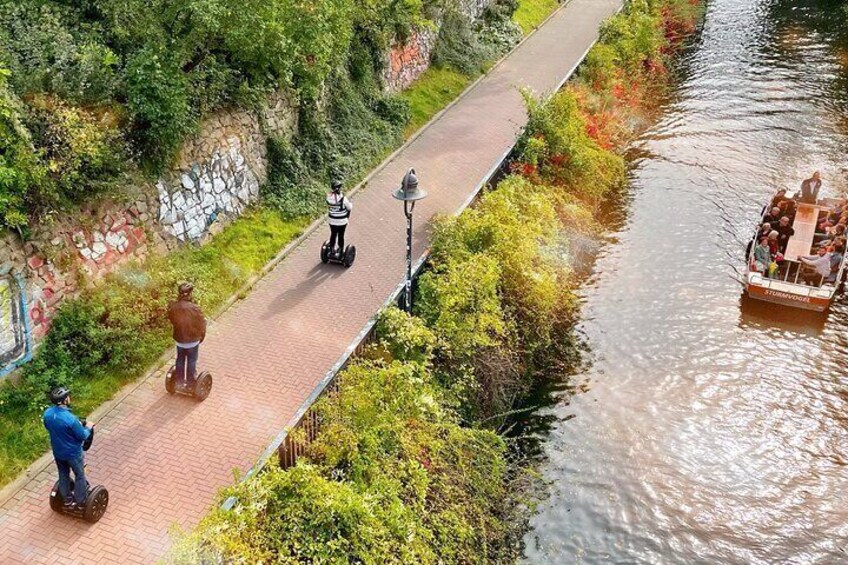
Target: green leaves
[
  {"x": 391, "y": 479},
  {"x": 158, "y": 101},
  {"x": 169, "y": 63}
]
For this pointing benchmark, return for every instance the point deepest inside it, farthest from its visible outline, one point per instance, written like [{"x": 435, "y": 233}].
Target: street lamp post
[{"x": 409, "y": 193}]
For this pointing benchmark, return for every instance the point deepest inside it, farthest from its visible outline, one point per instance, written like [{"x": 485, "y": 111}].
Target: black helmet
[
  {"x": 185, "y": 289},
  {"x": 336, "y": 185},
  {"x": 59, "y": 394}
]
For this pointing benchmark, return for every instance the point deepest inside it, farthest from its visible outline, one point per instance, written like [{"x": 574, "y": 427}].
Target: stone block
[{"x": 98, "y": 250}]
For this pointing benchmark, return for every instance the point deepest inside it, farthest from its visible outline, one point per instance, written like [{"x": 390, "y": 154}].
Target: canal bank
[{"x": 710, "y": 429}]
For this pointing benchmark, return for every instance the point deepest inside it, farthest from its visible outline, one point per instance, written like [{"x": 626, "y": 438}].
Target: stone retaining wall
[
  {"x": 221, "y": 169},
  {"x": 218, "y": 174},
  {"x": 407, "y": 60}
]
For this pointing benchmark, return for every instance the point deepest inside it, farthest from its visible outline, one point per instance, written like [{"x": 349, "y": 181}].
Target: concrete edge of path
[{"x": 10, "y": 490}]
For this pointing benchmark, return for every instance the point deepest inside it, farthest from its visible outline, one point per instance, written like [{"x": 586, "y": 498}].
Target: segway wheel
[
  {"x": 170, "y": 381},
  {"x": 349, "y": 256},
  {"x": 202, "y": 386},
  {"x": 56, "y": 502},
  {"x": 325, "y": 252},
  {"x": 95, "y": 504}
]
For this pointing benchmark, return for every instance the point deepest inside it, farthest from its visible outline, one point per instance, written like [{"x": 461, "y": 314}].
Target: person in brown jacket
[{"x": 189, "y": 331}]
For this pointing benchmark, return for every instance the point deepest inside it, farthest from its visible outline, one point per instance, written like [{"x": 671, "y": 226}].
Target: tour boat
[{"x": 786, "y": 287}]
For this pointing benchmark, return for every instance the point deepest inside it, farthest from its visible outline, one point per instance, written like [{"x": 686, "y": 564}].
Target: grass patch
[
  {"x": 428, "y": 95},
  {"x": 134, "y": 296},
  {"x": 531, "y": 13}
]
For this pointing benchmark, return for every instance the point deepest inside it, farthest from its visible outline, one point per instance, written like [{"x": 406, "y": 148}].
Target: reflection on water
[{"x": 713, "y": 430}]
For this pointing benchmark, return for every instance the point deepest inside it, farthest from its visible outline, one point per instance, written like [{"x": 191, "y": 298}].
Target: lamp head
[{"x": 409, "y": 190}]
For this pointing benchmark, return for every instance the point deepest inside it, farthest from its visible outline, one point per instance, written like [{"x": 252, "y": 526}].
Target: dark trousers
[
  {"x": 80, "y": 483},
  {"x": 337, "y": 232},
  {"x": 187, "y": 364}
]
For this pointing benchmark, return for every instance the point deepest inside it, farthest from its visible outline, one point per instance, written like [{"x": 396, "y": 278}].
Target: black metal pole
[{"x": 407, "y": 210}]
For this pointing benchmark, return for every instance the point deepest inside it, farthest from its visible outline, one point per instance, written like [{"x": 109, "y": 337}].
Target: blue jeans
[
  {"x": 187, "y": 364},
  {"x": 80, "y": 483}
]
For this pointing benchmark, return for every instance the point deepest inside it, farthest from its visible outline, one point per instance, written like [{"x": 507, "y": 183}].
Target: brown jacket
[{"x": 188, "y": 321}]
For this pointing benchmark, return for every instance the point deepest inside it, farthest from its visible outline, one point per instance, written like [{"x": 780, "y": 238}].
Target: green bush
[
  {"x": 405, "y": 337},
  {"x": 21, "y": 169},
  {"x": 458, "y": 299},
  {"x": 158, "y": 101},
  {"x": 391, "y": 479},
  {"x": 82, "y": 150},
  {"x": 636, "y": 34},
  {"x": 495, "y": 297},
  {"x": 470, "y": 46},
  {"x": 344, "y": 138},
  {"x": 557, "y": 142},
  {"x": 48, "y": 52}
]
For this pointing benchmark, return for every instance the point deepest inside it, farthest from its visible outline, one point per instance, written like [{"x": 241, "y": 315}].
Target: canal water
[{"x": 709, "y": 429}]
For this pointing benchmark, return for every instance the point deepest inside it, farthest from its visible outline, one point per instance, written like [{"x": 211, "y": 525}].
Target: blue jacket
[{"x": 67, "y": 433}]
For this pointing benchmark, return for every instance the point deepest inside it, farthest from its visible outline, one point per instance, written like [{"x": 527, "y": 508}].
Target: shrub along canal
[{"x": 712, "y": 429}]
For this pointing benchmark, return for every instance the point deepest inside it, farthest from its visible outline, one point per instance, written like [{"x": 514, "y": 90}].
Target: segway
[
  {"x": 95, "y": 503},
  {"x": 328, "y": 255},
  {"x": 202, "y": 385}
]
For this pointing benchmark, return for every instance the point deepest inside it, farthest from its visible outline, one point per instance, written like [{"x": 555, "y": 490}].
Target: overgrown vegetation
[
  {"x": 89, "y": 84},
  {"x": 95, "y": 89},
  {"x": 349, "y": 133},
  {"x": 343, "y": 138},
  {"x": 402, "y": 469}
]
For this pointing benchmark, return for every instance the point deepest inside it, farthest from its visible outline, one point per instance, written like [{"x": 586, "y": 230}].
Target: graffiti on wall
[{"x": 14, "y": 337}]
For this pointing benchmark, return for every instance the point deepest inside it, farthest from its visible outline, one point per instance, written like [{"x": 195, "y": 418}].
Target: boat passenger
[
  {"x": 821, "y": 266},
  {"x": 787, "y": 208},
  {"x": 762, "y": 256},
  {"x": 786, "y": 231},
  {"x": 778, "y": 198},
  {"x": 836, "y": 257},
  {"x": 810, "y": 189},
  {"x": 773, "y": 217},
  {"x": 838, "y": 229},
  {"x": 774, "y": 242},
  {"x": 835, "y": 215},
  {"x": 764, "y": 231},
  {"x": 830, "y": 236}
]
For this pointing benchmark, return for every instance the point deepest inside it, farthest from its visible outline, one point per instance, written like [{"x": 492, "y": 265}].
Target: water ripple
[{"x": 713, "y": 429}]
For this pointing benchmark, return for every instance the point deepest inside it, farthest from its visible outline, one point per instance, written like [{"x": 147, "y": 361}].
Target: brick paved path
[{"x": 164, "y": 458}]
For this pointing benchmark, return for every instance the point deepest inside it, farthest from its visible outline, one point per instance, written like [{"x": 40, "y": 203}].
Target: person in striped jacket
[{"x": 338, "y": 213}]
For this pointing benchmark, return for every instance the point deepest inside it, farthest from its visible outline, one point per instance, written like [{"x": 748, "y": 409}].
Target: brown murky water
[{"x": 714, "y": 430}]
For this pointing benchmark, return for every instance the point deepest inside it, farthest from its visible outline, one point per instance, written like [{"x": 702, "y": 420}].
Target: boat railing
[{"x": 824, "y": 291}]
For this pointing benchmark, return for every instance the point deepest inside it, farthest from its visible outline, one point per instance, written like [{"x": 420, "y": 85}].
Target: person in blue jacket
[{"x": 67, "y": 436}]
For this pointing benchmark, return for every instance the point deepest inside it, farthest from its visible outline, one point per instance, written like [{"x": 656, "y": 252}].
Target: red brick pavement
[{"x": 164, "y": 458}]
